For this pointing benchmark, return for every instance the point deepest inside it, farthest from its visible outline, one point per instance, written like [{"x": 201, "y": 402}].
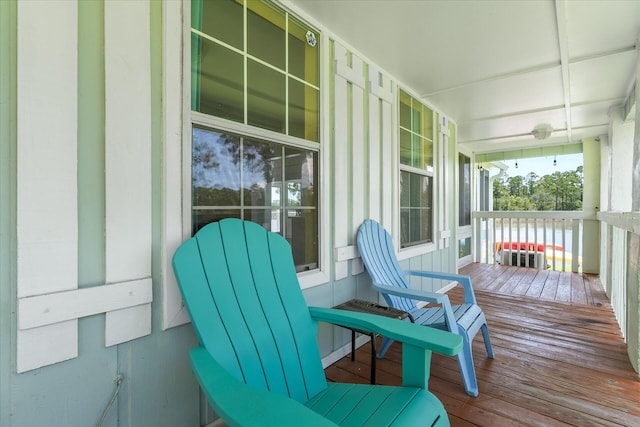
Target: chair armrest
[
  {"x": 241, "y": 405},
  {"x": 432, "y": 297},
  {"x": 465, "y": 281},
  {"x": 408, "y": 333}
]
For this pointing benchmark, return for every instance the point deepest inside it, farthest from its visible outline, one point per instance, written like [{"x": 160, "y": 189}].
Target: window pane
[
  {"x": 302, "y": 233},
  {"x": 405, "y": 110},
  {"x": 416, "y": 133},
  {"x": 277, "y": 184},
  {"x": 416, "y": 214},
  {"x": 271, "y": 219},
  {"x": 217, "y": 80},
  {"x": 426, "y": 154},
  {"x": 303, "y": 55},
  {"x": 464, "y": 190},
  {"x": 464, "y": 247},
  {"x": 426, "y": 125},
  {"x": 221, "y": 19},
  {"x": 265, "y": 33},
  {"x": 200, "y": 218},
  {"x": 303, "y": 111},
  {"x": 265, "y": 97},
  {"x": 300, "y": 174},
  {"x": 405, "y": 147},
  {"x": 416, "y": 151},
  {"x": 262, "y": 173},
  {"x": 215, "y": 168}
]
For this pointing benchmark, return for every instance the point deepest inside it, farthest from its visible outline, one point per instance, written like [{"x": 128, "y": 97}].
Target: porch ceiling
[{"x": 500, "y": 68}]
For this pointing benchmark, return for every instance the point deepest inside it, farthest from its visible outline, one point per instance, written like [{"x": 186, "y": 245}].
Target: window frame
[
  {"x": 424, "y": 247},
  {"x": 176, "y": 155},
  {"x": 309, "y": 278},
  {"x": 464, "y": 231}
]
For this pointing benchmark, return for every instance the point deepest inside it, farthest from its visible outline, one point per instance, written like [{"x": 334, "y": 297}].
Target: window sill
[
  {"x": 309, "y": 279},
  {"x": 414, "y": 251}
]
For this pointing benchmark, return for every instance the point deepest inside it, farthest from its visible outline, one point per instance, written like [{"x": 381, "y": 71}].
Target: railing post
[{"x": 575, "y": 245}]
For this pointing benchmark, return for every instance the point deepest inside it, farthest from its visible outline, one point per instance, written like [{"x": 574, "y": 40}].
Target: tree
[
  {"x": 558, "y": 191},
  {"x": 532, "y": 182},
  {"x": 500, "y": 191},
  {"x": 516, "y": 186}
]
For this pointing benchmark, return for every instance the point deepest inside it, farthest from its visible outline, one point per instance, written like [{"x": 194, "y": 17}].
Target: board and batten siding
[
  {"x": 49, "y": 299},
  {"x": 74, "y": 295},
  {"x": 365, "y": 173},
  {"x": 364, "y": 152}
]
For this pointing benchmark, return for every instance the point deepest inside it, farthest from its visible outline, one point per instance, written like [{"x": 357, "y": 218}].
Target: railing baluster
[
  {"x": 553, "y": 242},
  {"x": 564, "y": 245},
  {"x": 493, "y": 241}
]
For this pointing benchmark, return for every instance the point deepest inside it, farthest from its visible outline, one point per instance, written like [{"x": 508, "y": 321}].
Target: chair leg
[
  {"x": 487, "y": 341},
  {"x": 373, "y": 358},
  {"x": 465, "y": 362},
  {"x": 386, "y": 343}
]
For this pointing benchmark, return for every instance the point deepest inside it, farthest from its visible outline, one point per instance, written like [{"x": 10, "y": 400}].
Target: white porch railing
[
  {"x": 620, "y": 275},
  {"x": 539, "y": 239}
]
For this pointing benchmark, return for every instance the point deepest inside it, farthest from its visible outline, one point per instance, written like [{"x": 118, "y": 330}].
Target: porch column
[
  {"x": 591, "y": 202},
  {"x": 633, "y": 272}
]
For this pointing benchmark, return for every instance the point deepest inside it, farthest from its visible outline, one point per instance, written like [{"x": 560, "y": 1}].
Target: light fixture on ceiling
[
  {"x": 542, "y": 131},
  {"x": 555, "y": 163}
]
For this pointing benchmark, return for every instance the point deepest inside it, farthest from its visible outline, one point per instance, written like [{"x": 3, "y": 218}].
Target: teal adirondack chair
[
  {"x": 376, "y": 249},
  {"x": 259, "y": 362}
]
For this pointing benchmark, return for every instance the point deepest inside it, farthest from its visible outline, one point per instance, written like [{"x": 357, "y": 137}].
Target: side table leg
[{"x": 353, "y": 345}]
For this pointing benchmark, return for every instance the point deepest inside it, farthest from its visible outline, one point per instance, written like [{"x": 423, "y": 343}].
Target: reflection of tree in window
[{"x": 215, "y": 169}]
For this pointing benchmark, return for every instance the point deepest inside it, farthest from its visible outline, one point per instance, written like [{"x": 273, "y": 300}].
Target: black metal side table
[{"x": 371, "y": 308}]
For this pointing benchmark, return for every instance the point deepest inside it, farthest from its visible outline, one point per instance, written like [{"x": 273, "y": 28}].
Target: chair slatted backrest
[
  {"x": 240, "y": 287},
  {"x": 376, "y": 249}
]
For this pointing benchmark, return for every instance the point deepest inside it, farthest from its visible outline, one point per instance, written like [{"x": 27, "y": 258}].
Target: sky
[{"x": 544, "y": 165}]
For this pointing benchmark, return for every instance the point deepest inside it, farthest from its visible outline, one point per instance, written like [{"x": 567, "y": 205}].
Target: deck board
[{"x": 560, "y": 356}]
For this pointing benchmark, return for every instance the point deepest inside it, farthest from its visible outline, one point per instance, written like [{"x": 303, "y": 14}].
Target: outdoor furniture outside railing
[{"x": 538, "y": 239}]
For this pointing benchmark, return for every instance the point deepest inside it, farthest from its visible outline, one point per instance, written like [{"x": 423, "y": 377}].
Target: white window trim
[
  {"x": 177, "y": 127},
  {"x": 423, "y": 248}
]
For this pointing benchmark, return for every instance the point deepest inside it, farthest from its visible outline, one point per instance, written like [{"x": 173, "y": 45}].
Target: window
[
  {"x": 464, "y": 247},
  {"x": 416, "y": 172},
  {"x": 464, "y": 190},
  {"x": 256, "y": 66}
]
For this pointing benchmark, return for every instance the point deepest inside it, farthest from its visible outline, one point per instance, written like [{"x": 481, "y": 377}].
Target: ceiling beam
[
  {"x": 611, "y": 101},
  {"x": 563, "y": 43}
]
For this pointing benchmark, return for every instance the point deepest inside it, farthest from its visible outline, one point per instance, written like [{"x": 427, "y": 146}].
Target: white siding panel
[
  {"x": 341, "y": 143},
  {"x": 380, "y": 100},
  {"x": 128, "y": 141},
  {"x": 358, "y": 160},
  {"x": 444, "y": 188},
  {"x": 128, "y": 155},
  {"x": 389, "y": 170},
  {"x": 47, "y": 345},
  {"x": 374, "y": 180},
  {"x": 127, "y": 324},
  {"x": 47, "y": 213}
]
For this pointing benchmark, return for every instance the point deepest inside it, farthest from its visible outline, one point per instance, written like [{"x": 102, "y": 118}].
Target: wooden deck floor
[{"x": 560, "y": 357}]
